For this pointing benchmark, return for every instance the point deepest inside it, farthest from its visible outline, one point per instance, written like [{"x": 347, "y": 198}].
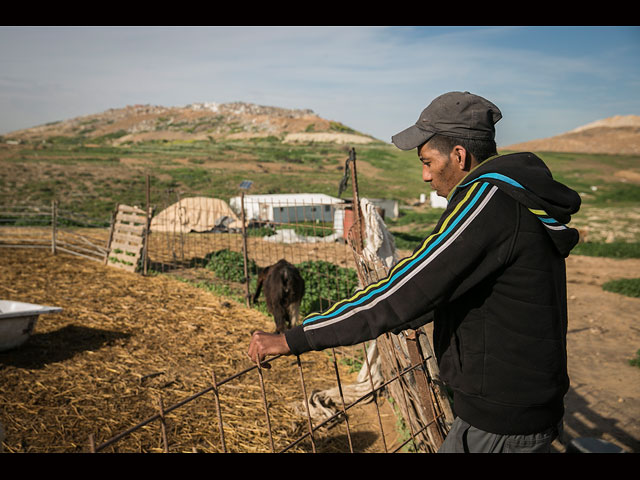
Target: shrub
[
  {"x": 228, "y": 265},
  {"x": 624, "y": 286},
  {"x": 325, "y": 284}
]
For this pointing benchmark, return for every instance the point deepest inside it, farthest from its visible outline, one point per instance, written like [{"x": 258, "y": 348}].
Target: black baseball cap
[{"x": 456, "y": 114}]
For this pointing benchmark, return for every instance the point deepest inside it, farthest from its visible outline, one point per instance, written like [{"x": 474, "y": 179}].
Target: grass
[
  {"x": 408, "y": 217},
  {"x": 629, "y": 287},
  {"x": 421, "y": 225},
  {"x": 610, "y": 250},
  {"x": 584, "y": 171},
  {"x": 91, "y": 177},
  {"x": 408, "y": 241}
]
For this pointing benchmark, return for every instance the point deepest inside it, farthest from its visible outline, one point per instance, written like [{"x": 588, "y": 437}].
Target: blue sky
[{"x": 546, "y": 80}]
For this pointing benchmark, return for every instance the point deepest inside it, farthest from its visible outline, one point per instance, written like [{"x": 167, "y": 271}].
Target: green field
[
  {"x": 93, "y": 178},
  {"x": 90, "y": 176}
]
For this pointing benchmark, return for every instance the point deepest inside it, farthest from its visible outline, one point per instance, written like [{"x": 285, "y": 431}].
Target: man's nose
[{"x": 426, "y": 174}]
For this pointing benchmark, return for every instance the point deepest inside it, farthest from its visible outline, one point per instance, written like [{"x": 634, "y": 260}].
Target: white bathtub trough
[{"x": 17, "y": 320}]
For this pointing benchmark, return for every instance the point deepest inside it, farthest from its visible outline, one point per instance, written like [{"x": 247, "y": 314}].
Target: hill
[
  {"x": 198, "y": 121},
  {"x": 615, "y": 135},
  {"x": 239, "y": 120}
]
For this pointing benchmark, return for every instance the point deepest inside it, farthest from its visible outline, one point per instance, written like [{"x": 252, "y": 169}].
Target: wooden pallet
[{"x": 127, "y": 237}]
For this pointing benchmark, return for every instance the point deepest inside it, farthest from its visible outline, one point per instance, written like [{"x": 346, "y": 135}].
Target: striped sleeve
[
  {"x": 412, "y": 288},
  {"x": 546, "y": 219}
]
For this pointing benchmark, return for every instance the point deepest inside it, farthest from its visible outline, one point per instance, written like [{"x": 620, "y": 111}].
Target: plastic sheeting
[{"x": 196, "y": 214}]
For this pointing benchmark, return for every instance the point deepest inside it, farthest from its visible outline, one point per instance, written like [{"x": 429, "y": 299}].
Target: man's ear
[{"x": 461, "y": 157}]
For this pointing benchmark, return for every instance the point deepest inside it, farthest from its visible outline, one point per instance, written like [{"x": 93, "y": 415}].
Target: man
[{"x": 491, "y": 276}]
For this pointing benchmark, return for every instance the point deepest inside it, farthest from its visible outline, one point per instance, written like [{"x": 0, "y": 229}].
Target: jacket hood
[{"x": 527, "y": 179}]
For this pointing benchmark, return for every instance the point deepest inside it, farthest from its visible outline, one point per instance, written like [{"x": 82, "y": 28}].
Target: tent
[{"x": 196, "y": 214}]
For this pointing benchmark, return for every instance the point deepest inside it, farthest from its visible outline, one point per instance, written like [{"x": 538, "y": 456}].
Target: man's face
[{"x": 440, "y": 170}]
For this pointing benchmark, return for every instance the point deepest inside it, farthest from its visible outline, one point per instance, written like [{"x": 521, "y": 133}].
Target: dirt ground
[
  {"x": 122, "y": 340},
  {"x": 603, "y": 335}
]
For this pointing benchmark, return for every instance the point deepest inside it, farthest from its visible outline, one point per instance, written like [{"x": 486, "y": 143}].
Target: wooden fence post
[
  {"x": 113, "y": 223},
  {"x": 426, "y": 406},
  {"x": 358, "y": 223}
]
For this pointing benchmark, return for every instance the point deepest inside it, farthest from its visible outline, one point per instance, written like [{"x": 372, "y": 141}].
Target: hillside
[
  {"x": 238, "y": 120},
  {"x": 614, "y": 135},
  {"x": 199, "y": 121}
]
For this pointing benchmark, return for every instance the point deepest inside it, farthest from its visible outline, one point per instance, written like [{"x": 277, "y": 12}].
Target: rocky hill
[
  {"x": 199, "y": 121},
  {"x": 238, "y": 120},
  {"x": 615, "y": 135}
]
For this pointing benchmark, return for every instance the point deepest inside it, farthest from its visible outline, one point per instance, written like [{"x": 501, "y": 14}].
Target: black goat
[{"x": 283, "y": 291}]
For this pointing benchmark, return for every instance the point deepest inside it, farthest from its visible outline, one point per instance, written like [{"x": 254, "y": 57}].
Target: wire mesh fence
[{"x": 419, "y": 439}]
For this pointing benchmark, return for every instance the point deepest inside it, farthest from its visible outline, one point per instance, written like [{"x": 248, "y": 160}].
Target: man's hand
[{"x": 263, "y": 344}]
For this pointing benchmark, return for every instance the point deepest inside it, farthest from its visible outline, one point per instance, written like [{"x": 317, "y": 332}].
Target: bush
[
  {"x": 228, "y": 265},
  {"x": 624, "y": 286},
  {"x": 325, "y": 284}
]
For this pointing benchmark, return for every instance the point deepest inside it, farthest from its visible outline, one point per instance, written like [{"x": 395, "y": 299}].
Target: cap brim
[{"x": 411, "y": 138}]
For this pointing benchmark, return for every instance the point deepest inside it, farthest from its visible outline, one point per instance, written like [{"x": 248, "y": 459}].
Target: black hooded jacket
[{"x": 492, "y": 278}]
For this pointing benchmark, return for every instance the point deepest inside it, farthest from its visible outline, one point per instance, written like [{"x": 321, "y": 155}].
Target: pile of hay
[{"x": 121, "y": 342}]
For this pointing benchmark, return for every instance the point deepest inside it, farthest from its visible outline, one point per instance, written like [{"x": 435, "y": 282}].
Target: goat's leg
[
  {"x": 258, "y": 289},
  {"x": 281, "y": 317},
  {"x": 262, "y": 275},
  {"x": 294, "y": 313}
]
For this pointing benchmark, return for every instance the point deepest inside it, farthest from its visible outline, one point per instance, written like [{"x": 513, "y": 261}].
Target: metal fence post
[
  {"x": 266, "y": 407},
  {"x": 244, "y": 250},
  {"x": 54, "y": 225},
  {"x": 147, "y": 232},
  {"x": 344, "y": 410},
  {"x": 163, "y": 425},
  {"x": 306, "y": 405},
  {"x": 219, "y": 412}
]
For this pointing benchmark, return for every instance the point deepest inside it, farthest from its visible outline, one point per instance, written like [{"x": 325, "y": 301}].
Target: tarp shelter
[{"x": 196, "y": 214}]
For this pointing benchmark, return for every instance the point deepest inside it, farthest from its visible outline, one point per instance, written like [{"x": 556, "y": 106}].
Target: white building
[{"x": 292, "y": 208}]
